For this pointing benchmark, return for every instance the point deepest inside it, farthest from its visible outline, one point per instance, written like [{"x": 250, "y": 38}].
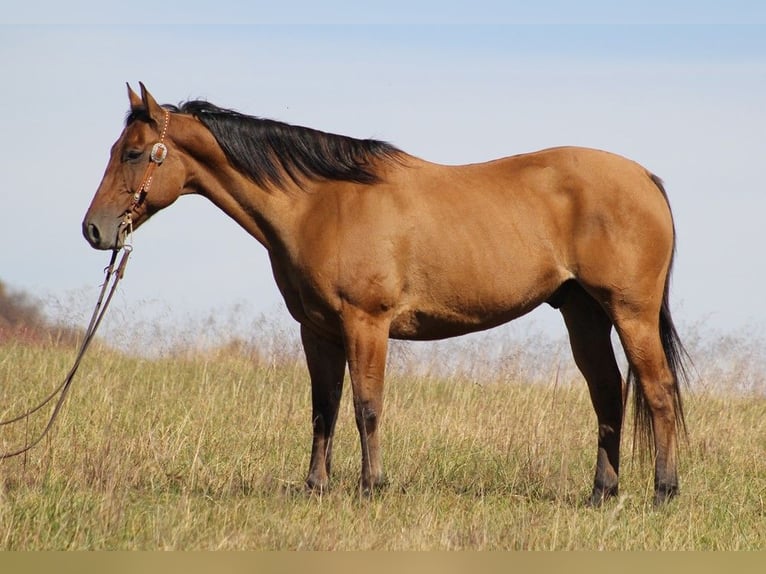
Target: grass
[{"x": 208, "y": 450}]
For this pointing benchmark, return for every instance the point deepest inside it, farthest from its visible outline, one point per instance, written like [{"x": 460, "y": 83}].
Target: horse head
[{"x": 143, "y": 159}]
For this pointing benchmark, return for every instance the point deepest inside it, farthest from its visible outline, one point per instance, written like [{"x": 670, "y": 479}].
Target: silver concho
[{"x": 159, "y": 152}]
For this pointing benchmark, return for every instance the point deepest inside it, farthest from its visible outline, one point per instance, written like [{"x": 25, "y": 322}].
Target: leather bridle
[{"x": 156, "y": 157}]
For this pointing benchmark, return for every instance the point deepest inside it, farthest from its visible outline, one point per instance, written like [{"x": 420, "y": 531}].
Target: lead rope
[
  {"x": 113, "y": 275},
  {"x": 158, "y": 154}
]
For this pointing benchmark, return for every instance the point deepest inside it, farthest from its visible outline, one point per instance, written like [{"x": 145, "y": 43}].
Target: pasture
[{"x": 208, "y": 450}]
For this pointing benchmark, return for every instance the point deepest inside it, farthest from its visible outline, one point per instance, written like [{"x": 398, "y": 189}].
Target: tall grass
[{"x": 207, "y": 448}]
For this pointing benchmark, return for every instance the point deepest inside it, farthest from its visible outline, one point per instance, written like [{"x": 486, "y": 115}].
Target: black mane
[{"x": 265, "y": 150}]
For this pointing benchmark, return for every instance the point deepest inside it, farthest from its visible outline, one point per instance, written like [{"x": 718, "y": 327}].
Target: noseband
[{"x": 156, "y": 157}]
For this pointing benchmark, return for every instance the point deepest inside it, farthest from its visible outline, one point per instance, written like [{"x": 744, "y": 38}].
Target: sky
[{"x": 678, "y": 87}]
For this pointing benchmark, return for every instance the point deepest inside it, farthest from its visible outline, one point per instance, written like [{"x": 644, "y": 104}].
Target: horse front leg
[
  {"x": 326, "y": 362},
  {"x": 366, "y": 339}
]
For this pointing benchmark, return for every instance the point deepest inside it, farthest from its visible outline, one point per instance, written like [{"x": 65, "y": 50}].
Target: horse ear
[
  {"x": 156, "y": 113},
  {"x": 135, "y": 100}
]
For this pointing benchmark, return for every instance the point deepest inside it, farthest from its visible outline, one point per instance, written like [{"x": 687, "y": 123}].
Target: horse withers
[{"x": 368, "y": 243}]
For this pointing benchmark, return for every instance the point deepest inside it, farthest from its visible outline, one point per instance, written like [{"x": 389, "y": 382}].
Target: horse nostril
[{"x": 94, "y": 235}]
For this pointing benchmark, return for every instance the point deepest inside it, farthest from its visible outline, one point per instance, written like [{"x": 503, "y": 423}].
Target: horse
[{"x": 369, "y": 243}]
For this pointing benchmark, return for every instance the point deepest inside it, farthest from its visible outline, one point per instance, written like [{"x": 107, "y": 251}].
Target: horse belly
[
  {"x": 420, "y": 325},
  {"x": 447, "y": 307}
]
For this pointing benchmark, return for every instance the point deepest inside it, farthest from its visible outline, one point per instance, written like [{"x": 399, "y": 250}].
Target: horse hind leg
[
  {"x": 590, "y": 338},
  {"x": 649, "y": 340}
]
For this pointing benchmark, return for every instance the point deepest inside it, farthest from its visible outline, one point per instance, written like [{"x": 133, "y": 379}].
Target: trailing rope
[
  {"x": 158, "y": 154},
  {"x": 113, "y": 276}
]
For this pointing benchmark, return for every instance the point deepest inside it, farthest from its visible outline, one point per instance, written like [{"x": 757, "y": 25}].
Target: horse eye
[{"x": 132, "y": 154}]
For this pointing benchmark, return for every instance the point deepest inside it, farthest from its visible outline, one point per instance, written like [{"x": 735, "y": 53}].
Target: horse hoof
[
  {"x": 599, "y": 496},
  {"x": 313, "y": 486},
  {"x": 664, "y": 494},
  {"x": 368, "y": 489}
]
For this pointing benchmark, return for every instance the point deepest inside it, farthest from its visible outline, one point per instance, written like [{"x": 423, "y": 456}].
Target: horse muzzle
[{"x": 105, "y": 234}]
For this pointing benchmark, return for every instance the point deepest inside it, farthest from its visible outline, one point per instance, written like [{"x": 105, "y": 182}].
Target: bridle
[
  {"x": 113, "y": 274},
  {"x": 156, "y": 157}
]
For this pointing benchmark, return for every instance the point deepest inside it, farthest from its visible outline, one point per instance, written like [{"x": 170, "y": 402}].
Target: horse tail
[{"x": 676, "y": 355}]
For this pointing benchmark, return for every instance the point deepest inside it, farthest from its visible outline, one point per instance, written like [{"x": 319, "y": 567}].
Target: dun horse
[{"x": 368, "y": 243}]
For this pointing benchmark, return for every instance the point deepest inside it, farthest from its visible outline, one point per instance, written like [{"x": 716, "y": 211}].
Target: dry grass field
[{"x": 208, "y": 450}]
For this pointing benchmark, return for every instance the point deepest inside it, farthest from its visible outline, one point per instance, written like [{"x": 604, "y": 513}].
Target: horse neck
[{"x": 266, "y": 214}]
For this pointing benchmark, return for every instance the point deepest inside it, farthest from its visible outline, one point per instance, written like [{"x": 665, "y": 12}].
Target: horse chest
[{"x": 309, "y": 299}]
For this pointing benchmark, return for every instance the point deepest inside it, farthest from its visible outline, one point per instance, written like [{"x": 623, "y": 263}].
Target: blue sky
[
  {"x": 682, "y": 91},
  {"x": 391, "y": 12}
]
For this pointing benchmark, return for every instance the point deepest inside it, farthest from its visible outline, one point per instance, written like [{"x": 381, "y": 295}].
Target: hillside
[
  {"x": 488, "y": 442},
  {"x": 210, "y": 452},
  {"x": 22, "y": 319}
]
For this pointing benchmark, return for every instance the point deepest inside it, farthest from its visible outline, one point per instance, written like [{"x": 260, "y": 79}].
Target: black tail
[{"x": 678, "y": 361}]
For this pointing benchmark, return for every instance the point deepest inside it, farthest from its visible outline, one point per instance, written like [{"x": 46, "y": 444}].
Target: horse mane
[{"x": 265, "y": 150}]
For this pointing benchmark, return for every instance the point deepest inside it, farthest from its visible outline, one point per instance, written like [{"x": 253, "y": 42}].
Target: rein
[{"x": 113, "y": 276}]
